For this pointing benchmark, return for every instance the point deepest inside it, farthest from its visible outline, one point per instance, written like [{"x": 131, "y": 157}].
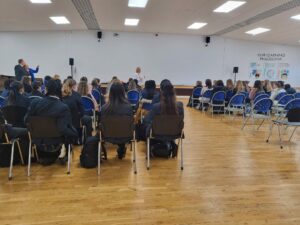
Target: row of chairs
[{"x": 45, "y": 128}]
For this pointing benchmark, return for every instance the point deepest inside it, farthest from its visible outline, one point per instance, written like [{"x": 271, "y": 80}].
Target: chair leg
[
  {"x": 148, "y": 153},
  {"x": 20, "y": 153},
  {"x": 245, "y": 122},
  {"x": 261, "y": 124},
  {"x": 293, "y": 133},
  {"x": 270, "y": 132},
  {"x": 29, "y": 159},
  {"x": 69, "y": 159},
  {"x": 134, "y": 156},
  {"x": 99, "y": 157},
  {"x": 181, "y": 151},
  {"x": 83, "y": 134},
  {"x": 280, "y": 139},
  {"x": 11, "y": 160}
]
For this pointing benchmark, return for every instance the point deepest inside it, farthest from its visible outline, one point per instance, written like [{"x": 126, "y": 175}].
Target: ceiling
[{"x": 160, "y": 16}]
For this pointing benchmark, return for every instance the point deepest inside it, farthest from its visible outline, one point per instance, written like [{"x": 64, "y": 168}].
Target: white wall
[{"x": 183, "y": 59}]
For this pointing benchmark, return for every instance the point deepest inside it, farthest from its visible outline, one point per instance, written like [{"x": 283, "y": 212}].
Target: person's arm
[{"x": 64, "y": 123}]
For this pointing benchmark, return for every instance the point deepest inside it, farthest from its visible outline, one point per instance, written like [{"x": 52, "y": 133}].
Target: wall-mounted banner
[{"x": 270, "y": 66}]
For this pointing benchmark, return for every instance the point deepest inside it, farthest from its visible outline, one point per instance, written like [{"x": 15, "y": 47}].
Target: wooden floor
[{"x": 231, "y": 177}]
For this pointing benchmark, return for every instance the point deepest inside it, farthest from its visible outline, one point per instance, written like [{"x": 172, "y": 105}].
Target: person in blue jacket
[{"x": 32, "y": 72}]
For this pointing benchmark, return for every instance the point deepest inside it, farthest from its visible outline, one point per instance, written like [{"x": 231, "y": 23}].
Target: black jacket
[
  {"x": 54, "y": 108},
  {"x": 21, "y": 100},
  {"x": 20, "y": 72}
]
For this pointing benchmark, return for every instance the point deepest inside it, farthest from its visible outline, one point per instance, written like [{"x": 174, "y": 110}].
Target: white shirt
[{"x": 140, "y": 78}]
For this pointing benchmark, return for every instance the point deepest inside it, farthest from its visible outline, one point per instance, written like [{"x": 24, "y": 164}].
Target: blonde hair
[
  {"x": 83, "y": 88},
  {"x": 240, "y": 86},
  {"x": 132, "y": 85},
  {"x": 268, "y": 86},
  {"x": 68, "y": 87},
  {"x": 56, "y": 77}
]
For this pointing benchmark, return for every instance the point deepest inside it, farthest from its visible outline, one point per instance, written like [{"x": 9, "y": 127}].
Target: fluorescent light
[
  {"x": 297, "y": 17},
  {"x": 137, "y": 3},
  {"x": 196, "y": 26},
  {"x": 258, "y": 30},
  {"x": 40, "y": 1},
  {"x": 131, "y": 22},
  {"x": 60, "y": 20},
  {"x": 229, "y": 6}
]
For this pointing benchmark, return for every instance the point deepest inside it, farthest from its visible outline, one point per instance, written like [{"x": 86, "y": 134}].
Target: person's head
[
  {"x": 26, "y": 67},
  {"x": 138, "y": 70},
  {"x": 199, "y": 83},
  {"x": 168, "y": 100},
  {"x": 229, "y": 84},
  {"x": 208, "y": 83},
  {"x": 114, "y": 78},
  {"x": 257, "y": 85},
  {"x": 84, "y": 79},
  {"x": 46, "y": 79},
  {"x": 268, "y": 86},
  {"x": 219, "y": 83},
  {"x": 136, "y": 82},
  {"x": 257, "y": 75},
  {"x": 132, "y": 85},
  {"x": 95, "y": 83},
  {"x": 83, "y": 88},
  {"x": 116, "y": 96},
  {"x": 163, "y": 83},
  {"x": 7, "y": 83},
  {"x": 287, "y": 86},
  {"x": 36, "y": 86},
  {"x": 56, "y": 77},
  {"x": 280, "y": 84},
  {"x": 53, "y": 88},
  {"x": 239, "y": 86},
  {"x": 68, "y": 87},
  {"x": 26, "y": 80},
  {"x": 21, "y": 62},
  {"x": 16, "y": 89},
  {"x": 150, "y": 85}
]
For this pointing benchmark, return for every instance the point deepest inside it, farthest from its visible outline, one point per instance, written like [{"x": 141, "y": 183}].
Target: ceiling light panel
[{"x": 229, "y": 6}]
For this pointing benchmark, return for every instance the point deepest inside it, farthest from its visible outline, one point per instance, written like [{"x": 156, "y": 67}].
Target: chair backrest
[
  {"x": 285, "y": 99},
  {"x": 293, "y": 115},
  {"x": 43, "y": 127},
  {"x": 280, "y": 95},
  {"x": 197, "y": 92},
  {"x": 117, "y": 126},
  {"x": 133, "y": 96},
  {"x": 263, "y": 105},
  {"x": 14, "y": 115},
  {"x": 297, "y": 95},
  {"x": 35, "y": 97},
  {"x": 87, "y": 103},
  {"x": 258, "y": 97},
  {"x": 229, "y": 95},
  {"x": 219, "y": 96},
  {"x": 294, "y": 103},
  {"x": 207, "y": 94},
  {"x": 2, "y": 101},
  {"x": 147, "y": 106},
  {"x": 237, "y": 100},
  {"x": 167, "y": 125},
  {"x": 97, "y": 95}
]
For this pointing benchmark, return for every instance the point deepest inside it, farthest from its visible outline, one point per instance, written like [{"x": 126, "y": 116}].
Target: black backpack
[
  {"x": 163, "y": 149},
  {"x": 89, "y": 153}
]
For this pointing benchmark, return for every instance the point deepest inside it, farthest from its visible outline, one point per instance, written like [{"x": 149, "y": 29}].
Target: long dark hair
[
  {"x": 14, "y": 92},
  {"x": 116, "y": 97},
  {"x": 168, "y": 100}
]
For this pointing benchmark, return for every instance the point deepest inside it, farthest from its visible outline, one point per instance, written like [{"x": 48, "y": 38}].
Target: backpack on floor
[
  {"x": 89, "y": 153},
  {"x": 163, "y": 149}
]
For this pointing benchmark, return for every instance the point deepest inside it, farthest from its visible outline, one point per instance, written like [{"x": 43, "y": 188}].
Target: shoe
[{"x": 121, "y": 152}]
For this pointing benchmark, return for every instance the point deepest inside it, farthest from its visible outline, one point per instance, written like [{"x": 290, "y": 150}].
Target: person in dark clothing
[
  {"x": 198, "y": 85},
  {"x": 20, "y": 71},
  {"x": 117, "y": 105},
  {"x": 6, "y": 90},
  {"x": 36, "y": 89},
  {"x": 26, "y": 81},
  {"x": 289, "y": 90},
  {"x": 149, "y": 91},
  {"x": 156, "y": 97},
  {"x": 97, "y": 86},
  {"x": 16, "y": 96},
  {"x": 218, "y": 87},
  {"x": 73, "y": 100}
]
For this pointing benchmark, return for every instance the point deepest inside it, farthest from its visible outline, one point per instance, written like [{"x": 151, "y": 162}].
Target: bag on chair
[
  {"x": 89, "y": 153},
  {"x": 163, "y": 149}
]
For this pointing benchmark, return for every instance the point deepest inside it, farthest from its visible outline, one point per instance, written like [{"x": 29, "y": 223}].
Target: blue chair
[
  {"x": 297, "y": 95},
  {"x": 97, "y": 95},
  {"x": 146, "y": 105},
  {"x": 229, "y": 95},
  {"x": 205, "y": 98},
  {"x": 236, "y": 104},
  {"x": 89, "y": 108},
  {"x": 196, "y": 95},
  {"x": 292, "y": 104},
  {"x": 218, "y": 101},
  {"x": 260, "y": 96},
  {"x": 133, "y": 97},
  {"x": 261, "y": 110},
  {"x": 280, "y": 95},
  {"x": 282, "y": 103},
  {"x": 2, "y": 102}
]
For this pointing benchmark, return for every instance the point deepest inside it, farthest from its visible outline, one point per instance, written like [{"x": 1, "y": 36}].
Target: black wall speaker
[
  {"x": 207, "y": 40},
  {"x": 235, "y": 69},
  {"x": 99, "y": 35},
  {"x": 71, "y": 61}
]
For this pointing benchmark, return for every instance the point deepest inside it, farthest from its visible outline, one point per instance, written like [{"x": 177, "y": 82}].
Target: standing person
[
  {"x": 20, "y": 70},
  {"x": 32, "y": 71},
  {"x": 140, "y": 78}
]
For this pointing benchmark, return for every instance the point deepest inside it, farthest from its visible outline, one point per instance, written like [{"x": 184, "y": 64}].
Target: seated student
[
  {"x": 156, "y": 97},
  {"x": 72, "y": 99},
  {"x": 26, "y": 81},
  {"x": 198, "y": 85},
  {"x": 289, "y": 90},
  {"x": 229, "y": 85},
  {"x": 117, "y": 105},
  {"x": 239, "y": 87},
  {"x": 149, "y": 91},
  {"x": 267, "y": 87},
  {"x": 219, "y": 86},
  {"x": 16, "y": 96},
  {"x": 83, "y": 90},
  {"x": 167, "y": 106},
  {"x": 279, "y": 88},
  {"x": 36, "y": 89},
  {"x": 132, "y": 86},
  {"x": 45, "y": 81},
  {"x": 138, "y": 87},
  {"x": 52, "y": 106},
  {"x": 7, "y": 84},
  {"x": 114, "y": 78},
  {"x": 256, "y": 89},
  {"x": 208, "y": 86},
  {"x": 97, "y": 86}
]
